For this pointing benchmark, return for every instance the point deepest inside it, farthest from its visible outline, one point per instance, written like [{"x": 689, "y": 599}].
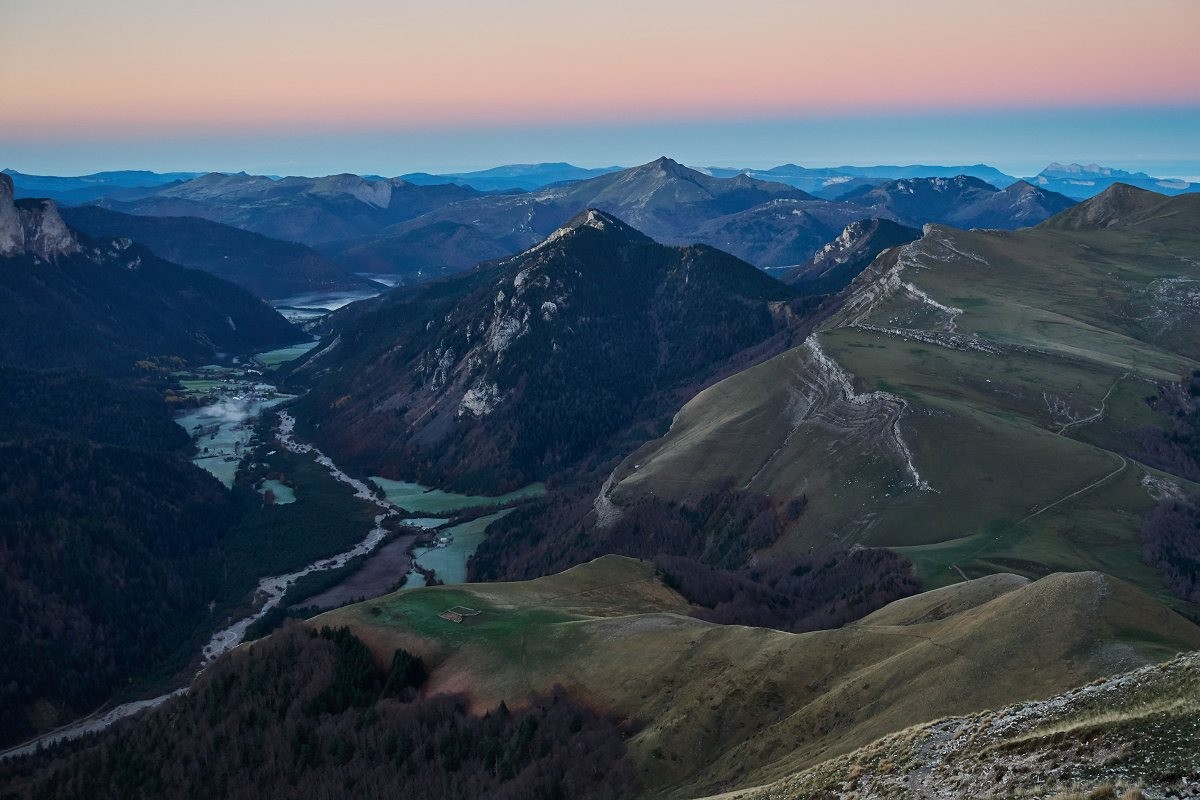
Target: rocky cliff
[{"x": 32, "y": 227}]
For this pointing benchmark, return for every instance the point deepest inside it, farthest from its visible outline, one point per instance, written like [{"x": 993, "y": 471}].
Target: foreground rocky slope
[{"x": 1135, "y": 735}]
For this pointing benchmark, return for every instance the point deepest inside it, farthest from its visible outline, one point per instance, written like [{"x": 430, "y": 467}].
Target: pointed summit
[
  {"x": 593, "y": 219},
  {"x": 669, "y": 166},
  {"x": 601, "y": 221}
]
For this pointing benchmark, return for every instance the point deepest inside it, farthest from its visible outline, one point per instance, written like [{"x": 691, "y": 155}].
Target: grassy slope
[
  {"x": 735, "y": 706},
  {"x": 1078, "y": 324}
]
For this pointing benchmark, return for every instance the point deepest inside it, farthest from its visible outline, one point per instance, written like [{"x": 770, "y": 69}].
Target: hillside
[
  {"x": 72, "y": 301},
  {"x": 111, "y": 555},
  {"x": 727, "y": 706},
  {"x": 976, "y": 403},
  {"x": 783, "y": 233},
  {"x": 1128, "y": 207},
  {"x": 512, "y": 374},
  {"x": 268, "y": 267}
]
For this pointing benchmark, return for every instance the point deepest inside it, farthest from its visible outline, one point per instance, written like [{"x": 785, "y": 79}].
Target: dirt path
[
  {"x": 1099, "y": 414},
  {"x": 1088, "y": 488}
]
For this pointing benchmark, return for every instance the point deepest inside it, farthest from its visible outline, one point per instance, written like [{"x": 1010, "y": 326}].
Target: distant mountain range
[
  {"x": 768, "y": 223},
  {"x": 421, "y": 226},
  {"x": 962, "y": 201}
]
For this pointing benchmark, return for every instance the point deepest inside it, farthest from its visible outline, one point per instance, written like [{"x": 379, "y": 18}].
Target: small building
[{"x": 458, "y": 613}]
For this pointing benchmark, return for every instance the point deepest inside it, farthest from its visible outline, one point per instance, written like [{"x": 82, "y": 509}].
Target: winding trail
[
  {"x": 269, "y": 592},
  {"x": 1077, "y": 492},
  {"x": 1094, "y": 417}
]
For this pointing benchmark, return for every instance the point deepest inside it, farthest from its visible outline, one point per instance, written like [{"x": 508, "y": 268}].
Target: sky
[{"x": 392, "y": 86}]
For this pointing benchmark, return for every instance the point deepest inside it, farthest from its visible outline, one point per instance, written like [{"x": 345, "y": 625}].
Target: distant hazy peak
[
  {"x": 1057, "y": 170},
  {"x": 33, "y": 228}
]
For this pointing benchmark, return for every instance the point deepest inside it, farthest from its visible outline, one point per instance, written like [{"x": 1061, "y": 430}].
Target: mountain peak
[
  {"x": 668, "y": 166},
  {"x": 595, "y": 219}
]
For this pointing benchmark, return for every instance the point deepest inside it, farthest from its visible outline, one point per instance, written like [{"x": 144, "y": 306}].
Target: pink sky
[{"x": 69, "y": 67}]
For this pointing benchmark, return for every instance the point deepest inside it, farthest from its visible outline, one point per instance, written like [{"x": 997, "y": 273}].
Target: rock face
[
  {"x": 836, "y": 264},
  {"x": 32, "y": 227}
]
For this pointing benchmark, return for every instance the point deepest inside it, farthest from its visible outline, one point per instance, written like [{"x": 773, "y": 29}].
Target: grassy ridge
[{"x": 736, "y": 706}]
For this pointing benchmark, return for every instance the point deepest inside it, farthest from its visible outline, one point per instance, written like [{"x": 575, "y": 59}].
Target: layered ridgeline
[
  {"x": 420, "y": 229},
  {"x": 270, "y": 268},
  {"x": 982, "y": 402},
  {"x": 105, "y": 304},
  {"x": 765, "y": 222},
  {"x": 651, "y": 701},
  {"x": 538, "y": 364},
  {"x": 513, "y": 176}
]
